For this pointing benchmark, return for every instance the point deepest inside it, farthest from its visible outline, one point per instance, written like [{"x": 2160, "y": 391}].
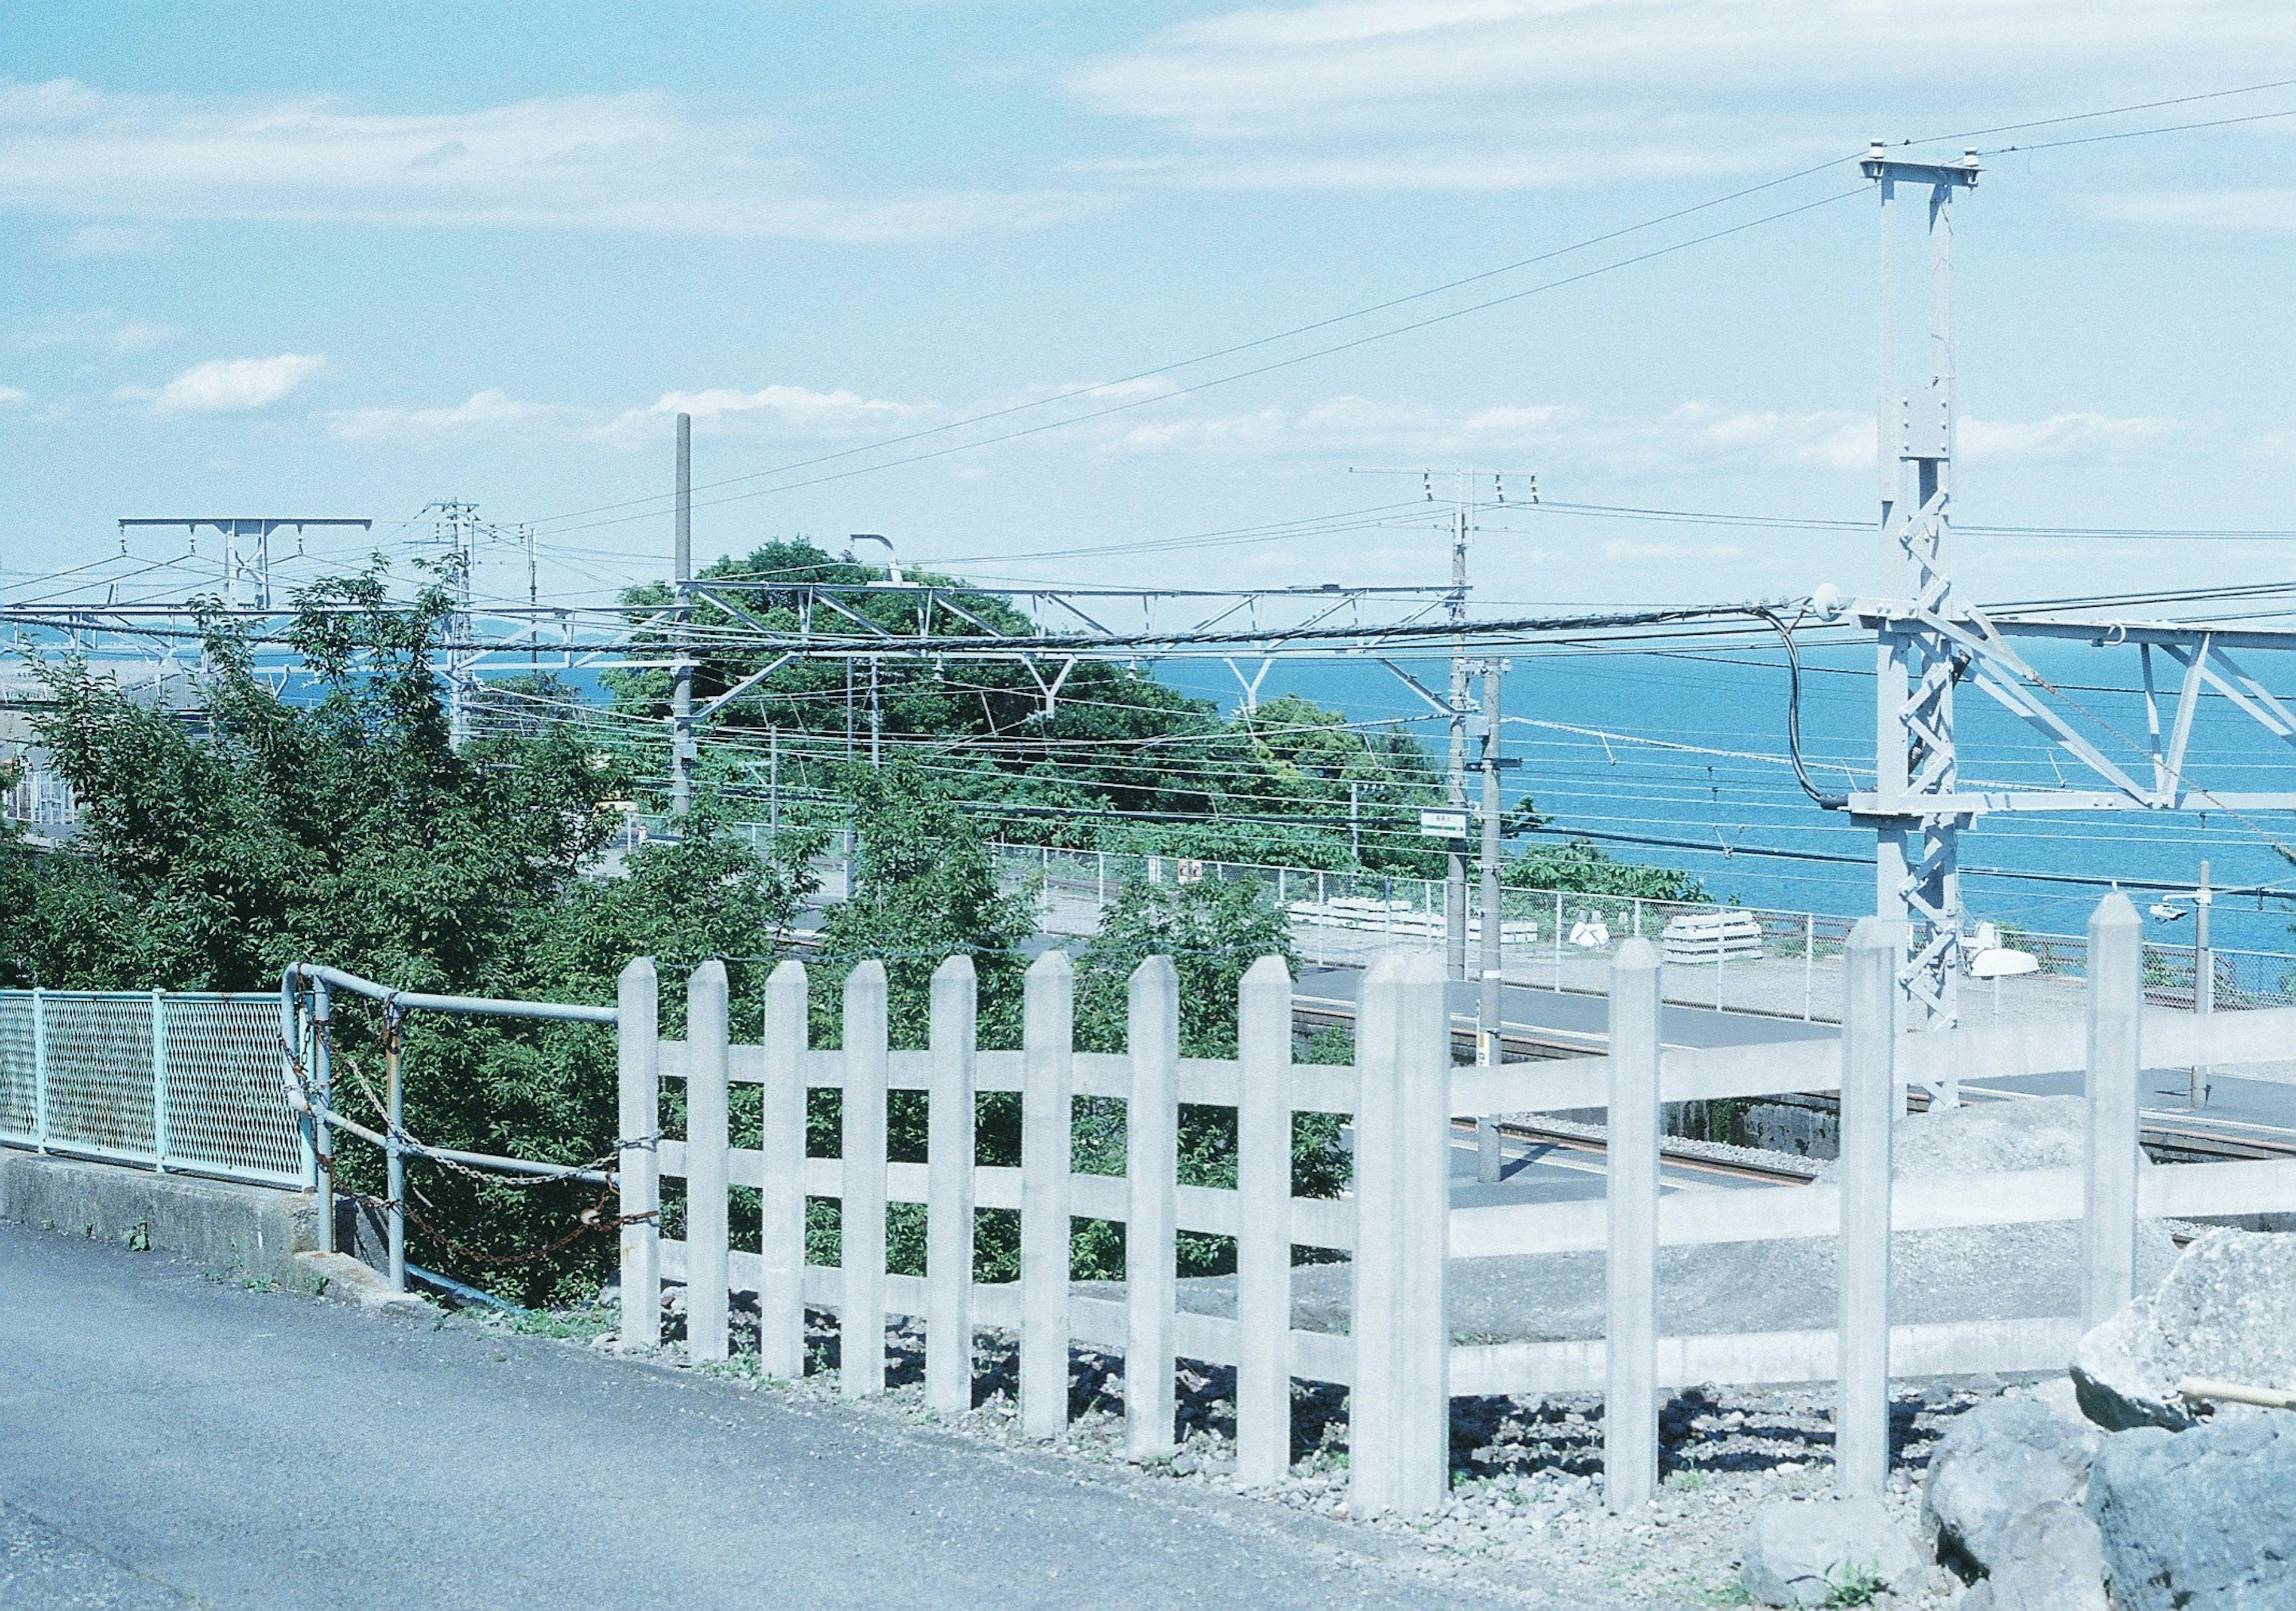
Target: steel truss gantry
[{"x": 1929, "y": 642}]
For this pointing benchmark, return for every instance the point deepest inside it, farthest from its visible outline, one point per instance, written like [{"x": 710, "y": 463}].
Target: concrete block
[
  {"x": 341, "y": 1276},
  {"x": 255, "y": 1230}
]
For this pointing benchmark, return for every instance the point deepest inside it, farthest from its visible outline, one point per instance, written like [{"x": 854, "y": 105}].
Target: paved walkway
[{"x": 163, "y": 1435}]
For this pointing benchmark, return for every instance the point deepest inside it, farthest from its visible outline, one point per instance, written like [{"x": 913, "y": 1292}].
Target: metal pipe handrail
[{"x": 477, "y": 1006}]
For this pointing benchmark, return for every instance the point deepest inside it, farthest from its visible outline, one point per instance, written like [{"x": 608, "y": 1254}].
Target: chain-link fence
[{"x": 188, "y": 1083}]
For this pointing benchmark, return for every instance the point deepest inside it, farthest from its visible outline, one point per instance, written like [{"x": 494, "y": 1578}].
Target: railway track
[
  {"x": 2166, "y": 1138},
  {"x": 1674, "y": 1152}
]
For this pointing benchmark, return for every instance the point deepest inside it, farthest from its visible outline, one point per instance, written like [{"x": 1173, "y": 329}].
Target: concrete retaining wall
[{"x": 254, "y": 1230}]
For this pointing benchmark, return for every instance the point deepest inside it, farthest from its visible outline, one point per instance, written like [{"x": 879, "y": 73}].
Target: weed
[
  {"x": 138, "y": 1237},
  {"x": 568, "y": 1324},
  {"x": 1854, "y": 1583}
]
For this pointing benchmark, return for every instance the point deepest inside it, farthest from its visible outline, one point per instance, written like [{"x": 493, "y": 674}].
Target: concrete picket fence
[
  {"x": 1392, "y": 1224},
  {"x": 1402, "y": 1094},
  {"x": 1863, "y": 1206}
]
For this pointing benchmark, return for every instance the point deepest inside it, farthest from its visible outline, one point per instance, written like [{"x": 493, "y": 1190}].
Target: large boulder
[
  {"x": 1994, "y": 1463},
  {"x": 1805, "y": 1551},
  {"x": 2223, "y": 1314},
  {"x": 2050, "y": 1559},
  {"x": 2203, "y": 1520}
]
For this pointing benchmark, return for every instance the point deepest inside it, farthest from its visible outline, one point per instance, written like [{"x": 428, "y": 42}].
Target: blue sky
[{"x": 285, "y": 259}]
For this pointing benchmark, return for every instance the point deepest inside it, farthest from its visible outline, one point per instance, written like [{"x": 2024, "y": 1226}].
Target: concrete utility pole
[
  {"x": 681, "y": 632},
  {"x": 1454, "y": 888},
  {"x": 2204, "y": 979},
  {"x": 1488, "y": 1052},
  {"x": 457, "y": 528},
  {"x": 1918, "y": 875},
  {"x": 1487, "y": 1043}
]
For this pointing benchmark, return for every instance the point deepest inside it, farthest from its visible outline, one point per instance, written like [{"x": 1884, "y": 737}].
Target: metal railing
[
  {"x": 302, "y": 1013},
  {"x": 189, "y": 1083},
  {"x": 1566, "y": 939}
]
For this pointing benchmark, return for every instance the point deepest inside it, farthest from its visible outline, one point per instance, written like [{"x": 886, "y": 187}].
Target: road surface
[{"x": 168, "y": 1439}]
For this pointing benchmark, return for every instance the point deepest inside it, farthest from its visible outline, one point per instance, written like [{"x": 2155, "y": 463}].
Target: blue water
[{"x": 1723, "y": 701}]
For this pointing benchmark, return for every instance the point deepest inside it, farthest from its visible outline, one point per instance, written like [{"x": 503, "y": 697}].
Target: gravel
[{"x": 1526, "y": 1511}]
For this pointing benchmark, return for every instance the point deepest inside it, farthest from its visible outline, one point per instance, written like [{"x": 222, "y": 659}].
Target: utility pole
[
  {"x": 2204, "y": 979},
  {"x": 1488, "y": 1052},
  {"x": 876, "y": 717},
  {"x": 533, "y": 603},
  {"x": 1918, "y": 875},
  {"x": 681, "y": 632},
  {"x": 1458, "y": 704},
  {"x": 1454, "y": 887},
  {"x": 457, "y": 528}
]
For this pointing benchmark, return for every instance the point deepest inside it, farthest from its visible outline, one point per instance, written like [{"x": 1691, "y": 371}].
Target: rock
[
  {"x": 2061, "y": 1397},
  {"x": 2203, "y": 1520},
  {"x": 1994, "y": 1463},
  {"x": 2049, "y": 1558},
  {"x": 2222, "y": 1313},
  {"x": 1799, "y": 1553}
]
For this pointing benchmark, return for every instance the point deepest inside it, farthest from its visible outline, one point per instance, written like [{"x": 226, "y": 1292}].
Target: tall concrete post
[
  {"x": 706, "y": 1058},
  {"x": 1487, "y": 1161},
  {"x": 1630, "y": 1335},
  {"x": 1152, "y": 1119},
  {"x": 681, "y": 635},
  {"x": 781, "y": 1202},
  {"x": 1263, "y": 1241},
  {"x": 948, "y": 1188},
  {"x": 1047, "y": 1087},
  {"x": 636, "y": 1053},
  {"x": 2116, "y": 1001},
  {"x": 1399, "y": 1405},
  {"x": 1869, "y": 1101},
  {"x": 861, "y": 1242}
]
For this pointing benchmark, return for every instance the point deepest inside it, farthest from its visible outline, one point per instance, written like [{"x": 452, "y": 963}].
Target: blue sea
[{"x": 1727, "y": 790}]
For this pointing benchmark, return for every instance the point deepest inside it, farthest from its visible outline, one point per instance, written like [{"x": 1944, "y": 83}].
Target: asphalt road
[{"x": 164, "y": 1435}]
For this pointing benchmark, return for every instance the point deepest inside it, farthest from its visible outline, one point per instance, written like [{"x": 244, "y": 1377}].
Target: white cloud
[
  {"x": 794, "y": 411},
  {"x": 492, "y": 410},
  {"x": 1512, "y": 94},
  {"x": 2239, "y": 211},
  {"x": 100, "y": 330},
  {"x": 640, "y": 160},
  {"x": 115, "y": 240},
  {"x": 229, "y": 385},
  {"x": 2071, "y": 435},
  {"x": 13, "y": 397}
]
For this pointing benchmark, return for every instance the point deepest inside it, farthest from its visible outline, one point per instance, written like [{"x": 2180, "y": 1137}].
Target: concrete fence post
[
  {"x": 2115, "y": 999},
  {"x": 706, "y": 1074},
  {"x": 948, "y": 1188},
  {"x": 781, "y": 1207},
  {"x": 1399, "y": 1407},
  {"x": 1048, "y": 1079},
  {"x": 1263, "y": 1240},
  {"x": 637, "y": 1034},
  {"x": 1630, "y": 1333},
  {"x": 1151, "y": 1117},
  {"x": 861, "y": 1242},
  {"x": 1869, "y": 1103}
]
